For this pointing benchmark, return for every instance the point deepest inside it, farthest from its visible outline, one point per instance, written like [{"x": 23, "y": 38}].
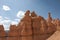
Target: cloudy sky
[{"x": 11, "y": 11}]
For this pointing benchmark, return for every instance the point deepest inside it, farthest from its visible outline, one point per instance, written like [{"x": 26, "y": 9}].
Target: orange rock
[
  {"x": 12, "y": 38},
  {"x": 43, "y": 27},
  {"x": 57, "y": 23},
  {"x": 33, "y": 14},
  {"x": 27, "y": 38},
  {"x": 1, "y": 28},
  {"x": 51, "y": 28},
  {"x": 27, "y": 13},
  {"x": 26, "y": 30},
  {"x": 2, "y": 38},
  {"x": 36, "y": 25},
  {"x": 2, "y": 32},
  {"x": 40, "y": 37},
  {"x": 51, "y": 24},
  {"x": 13, "y": 31},
  {"x": 49, "y": 17},
  {"x": 26, "y": 26},
  {"x": 13, "y": 27},
  {"x": 31, "y": 27}
]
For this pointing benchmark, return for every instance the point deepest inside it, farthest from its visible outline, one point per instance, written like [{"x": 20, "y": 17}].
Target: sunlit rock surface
[{"x": 31, "y": 27}]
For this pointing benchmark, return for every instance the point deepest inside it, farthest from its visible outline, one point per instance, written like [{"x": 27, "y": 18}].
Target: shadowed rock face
[
  {"x": 2, "y": 33},
  {"x": 1, "y": 28},
  {"x": 13, "y": 27},
  {"x": 49, "y": 17},
  {"x": 33, "y": 14},
  {"x": 32, "y": 27},
  {"x": 55, "y": 36}
]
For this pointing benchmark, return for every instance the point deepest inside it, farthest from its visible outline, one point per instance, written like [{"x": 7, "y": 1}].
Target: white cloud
[
  {"x": 0, "y": 17},
  {"x": 6, "y": 18},
  {"x": 5, "y": 22},
  {"x": 6, "y": 8},
  {"x": 14, "y": 22},
  {"x": 20, "y": 14},
  {"x": 6, "y": 27},
  {"x": 17, "y": 20}
]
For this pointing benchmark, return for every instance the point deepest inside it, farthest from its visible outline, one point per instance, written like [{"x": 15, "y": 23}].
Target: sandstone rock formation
[
  {"x": 49, "y": 17},
  {"x": 2, "y": 33},
  {"x": 51, "y": 26},
  {"x": 55, "y": 36},
  {"x": 32, "y": 27},
  {"x": 57, "y": 24},
  {"x": 13, "y": 33}
]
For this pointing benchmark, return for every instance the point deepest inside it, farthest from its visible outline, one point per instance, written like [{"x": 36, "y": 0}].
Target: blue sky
[{"x": 12, "y": 10}]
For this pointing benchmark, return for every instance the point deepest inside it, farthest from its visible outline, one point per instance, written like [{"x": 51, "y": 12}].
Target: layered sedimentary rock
[
  {"x": 2, "y": 33},
  {"x": 57, "y": 23},
  {"x": 51, "y": 26},
  {"x": 13, "y": 33},
  {"x": 26, "y": 29},
  {"x": 32, "y": 27},
  {"x": 55, "y": 36},
  {"x": 49, "y": 17}
]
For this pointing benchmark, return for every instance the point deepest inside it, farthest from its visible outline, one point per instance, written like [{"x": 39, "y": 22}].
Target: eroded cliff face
[
  {"x": 31, "y": 27},
  {"x": 2, "y": 33}
]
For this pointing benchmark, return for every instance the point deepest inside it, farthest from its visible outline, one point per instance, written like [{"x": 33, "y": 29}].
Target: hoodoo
[{"x": 31, "y": 27}]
